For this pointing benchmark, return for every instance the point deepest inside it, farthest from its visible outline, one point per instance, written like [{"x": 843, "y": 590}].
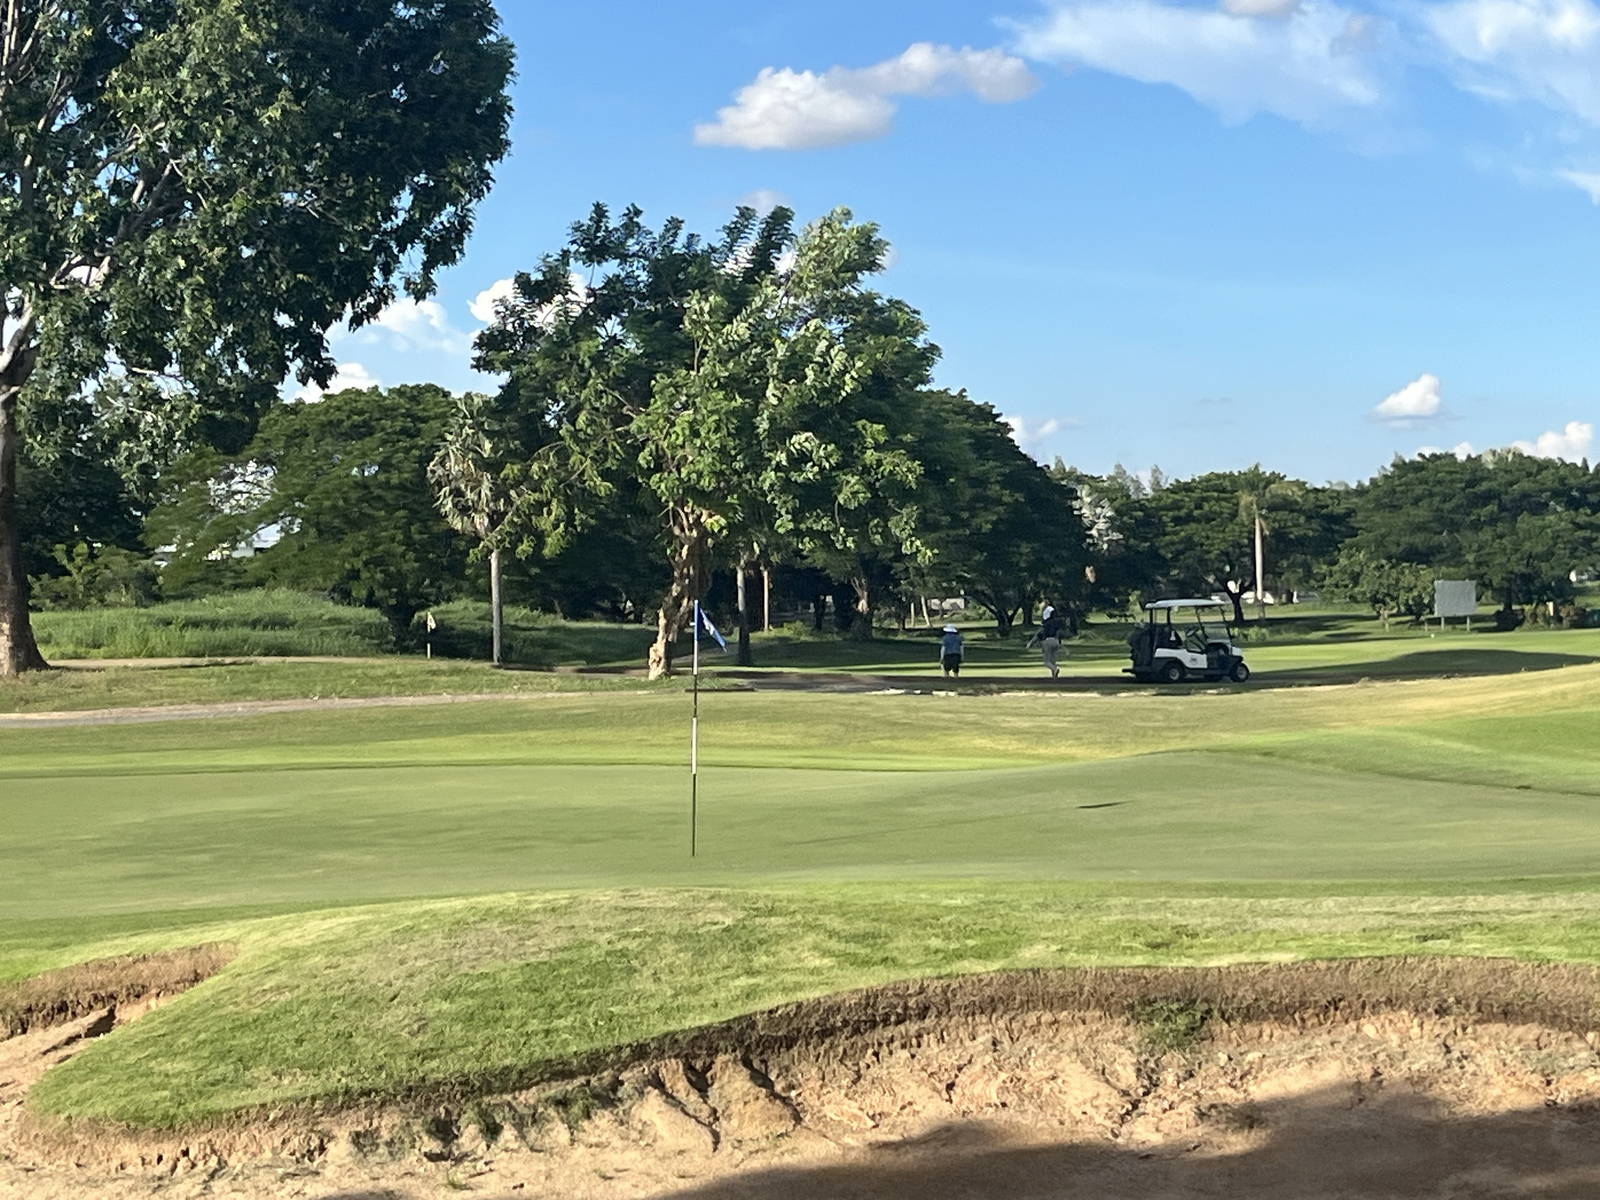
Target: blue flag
[{"x": 712, "y": 630}]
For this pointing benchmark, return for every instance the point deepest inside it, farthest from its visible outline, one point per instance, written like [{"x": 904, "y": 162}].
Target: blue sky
[{"x": 1310, "y": 234}]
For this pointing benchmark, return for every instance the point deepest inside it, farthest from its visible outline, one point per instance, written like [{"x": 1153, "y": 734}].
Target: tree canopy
[
  {"x": 148, "y": 230},
  {"x": 741, "y": 384},
  {"x": 345, "y": 485}
]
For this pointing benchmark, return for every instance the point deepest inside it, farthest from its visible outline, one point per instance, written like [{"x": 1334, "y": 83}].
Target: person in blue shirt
[{"x": 950, "y": 651}]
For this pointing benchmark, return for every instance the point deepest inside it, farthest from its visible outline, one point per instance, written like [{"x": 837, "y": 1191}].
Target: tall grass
[
  {"x": 537, "y": 639},
  {"x": 278, "y": 622},
  {"x": 236, "y": 624}
]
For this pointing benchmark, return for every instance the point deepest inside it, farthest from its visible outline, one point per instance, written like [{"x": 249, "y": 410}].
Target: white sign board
[{"x": 1455, "y": 597}]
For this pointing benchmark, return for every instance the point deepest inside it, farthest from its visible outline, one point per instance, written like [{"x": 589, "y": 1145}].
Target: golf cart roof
[{"x": 1157, "y": 605}]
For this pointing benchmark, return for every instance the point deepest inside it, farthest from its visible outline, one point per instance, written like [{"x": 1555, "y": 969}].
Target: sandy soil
[{"x": 947, "y": 1094}]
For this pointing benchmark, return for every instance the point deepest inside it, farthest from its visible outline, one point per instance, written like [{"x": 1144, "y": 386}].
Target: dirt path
[
  {"x": 1357, "y": 1086},
  {"x": 247, "y": 708}
]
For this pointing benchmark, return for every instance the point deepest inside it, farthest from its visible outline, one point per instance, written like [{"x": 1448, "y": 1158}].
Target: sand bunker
[{"x": 1426, "y": 1078}]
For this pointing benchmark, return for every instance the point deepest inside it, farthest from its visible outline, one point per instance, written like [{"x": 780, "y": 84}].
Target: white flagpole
[{"x": 694, "y": 742}]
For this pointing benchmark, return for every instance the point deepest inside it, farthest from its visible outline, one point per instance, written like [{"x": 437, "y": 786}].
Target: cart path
[
  {"x": 724, "y": 684},
  {"x": 249, "y": 708}
]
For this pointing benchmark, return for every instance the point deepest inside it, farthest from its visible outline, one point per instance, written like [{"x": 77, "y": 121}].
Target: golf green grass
[{"x": 470, "y": 895}]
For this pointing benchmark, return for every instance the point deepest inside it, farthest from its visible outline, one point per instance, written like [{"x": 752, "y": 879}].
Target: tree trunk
[
  {"x": 688, "y": 577},
  {"x": 401, "y": 616},
  {"x": 669, "y": 618},
  {"x": 1027, "y": 614},
  {"x": 497, "y": 605},
  {"x": 819, "y": 611},
  {"x": 861, "y": 626},
  {"x": 844, "y": 608},
  {"x": 1004, "y": 618},
  {"x": 766, "y": 599},
  {"x": 1238, "y": 604},
  {"x": 1261, "y": 575},
  {"x": 744, "y": 620},
  {"x": 19, "y": 651}
]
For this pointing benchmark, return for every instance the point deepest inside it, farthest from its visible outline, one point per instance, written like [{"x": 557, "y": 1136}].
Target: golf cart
[{"x": 1185, "y": 639}]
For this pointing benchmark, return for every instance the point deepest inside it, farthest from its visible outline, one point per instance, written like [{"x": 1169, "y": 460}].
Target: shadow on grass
[
  {"x": 1430, "y": 663},
  {"x": 1323, "y": 1145}
]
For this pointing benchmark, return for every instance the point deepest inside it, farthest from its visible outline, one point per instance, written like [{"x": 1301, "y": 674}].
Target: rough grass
[
  {"x": 476, "y": 995},
  {"x": 277, "y": 622},
  {"x": 261, "y": 622}
]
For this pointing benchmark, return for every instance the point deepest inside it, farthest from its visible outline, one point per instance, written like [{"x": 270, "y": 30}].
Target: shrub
[
  {"x": 1575, "y": 616},
  {"x": 94, "y": 577}
]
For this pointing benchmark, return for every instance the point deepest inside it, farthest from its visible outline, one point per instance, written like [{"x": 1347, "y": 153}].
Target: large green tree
[
  {"x": 345, "y": 484},
  {"x": 1389, "y": 588},
  {"x": 195, "y": 191},
  {"x": 1517, "y": 523},
  {"x": 1002, "y": 530},
  {"x": 473, "y": 474},
  {"x": 735, "y": 383},
  {"x": 1205, "y": 529}
]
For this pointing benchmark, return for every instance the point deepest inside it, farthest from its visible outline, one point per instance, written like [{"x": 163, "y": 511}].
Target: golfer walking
[
  {"x": 950, "y": 649},
  {"x": 1049, "y": 636}
]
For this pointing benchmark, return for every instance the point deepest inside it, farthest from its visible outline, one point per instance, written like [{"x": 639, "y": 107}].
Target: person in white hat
[{"x": 950, "y": 648}]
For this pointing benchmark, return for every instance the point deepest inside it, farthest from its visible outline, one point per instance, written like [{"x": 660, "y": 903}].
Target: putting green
[{"x": 91, "y": 846}]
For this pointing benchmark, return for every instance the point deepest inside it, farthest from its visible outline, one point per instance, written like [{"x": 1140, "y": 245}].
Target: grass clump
[{"x": 1168, "y": 1025}]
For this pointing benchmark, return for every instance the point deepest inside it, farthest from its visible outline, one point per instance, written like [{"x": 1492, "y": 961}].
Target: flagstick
[{"x": 694, "y": 742}]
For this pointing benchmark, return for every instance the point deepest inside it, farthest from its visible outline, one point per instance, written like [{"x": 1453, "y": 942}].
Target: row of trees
[
  {"x": 405, "y": 497},
  {"x": 1519, "y": 525},
  {"x": 674, "y": 407},
  {"x": 680, "y": 411}
]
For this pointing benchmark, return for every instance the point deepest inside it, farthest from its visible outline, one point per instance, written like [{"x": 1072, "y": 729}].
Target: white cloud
[
  {"x": 349, "y": 376},
  {"x": 1361, "y": 34},
  {"x": 1460, "y": 450},
  {"x": 413, "y": 325},
  {"x": 1586, "y": 181},
  {"x": 1260, "y": 8},
  {"x": 763, "y": 200},
  {"x": 483, "y": 304},
  {"x": 1300, "y": 66},
  {"x": 1540, "y": 50},
  {"x": 785, "y": 109},
  {"x": 1572, "y": 442},
  {"x": 1418, "y": 401},
  {"x": 1027, "y": 434}
]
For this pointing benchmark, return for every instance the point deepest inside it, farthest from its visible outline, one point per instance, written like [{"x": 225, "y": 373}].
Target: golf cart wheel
[
  {"x": 1171, "y": 672},
  {"x": 1240, "y": 672}
]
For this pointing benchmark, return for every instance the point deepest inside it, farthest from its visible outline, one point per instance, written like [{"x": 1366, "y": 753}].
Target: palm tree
[
  {"x": 469, "y": 474},
  {"x": 1259, "y": 493}
]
